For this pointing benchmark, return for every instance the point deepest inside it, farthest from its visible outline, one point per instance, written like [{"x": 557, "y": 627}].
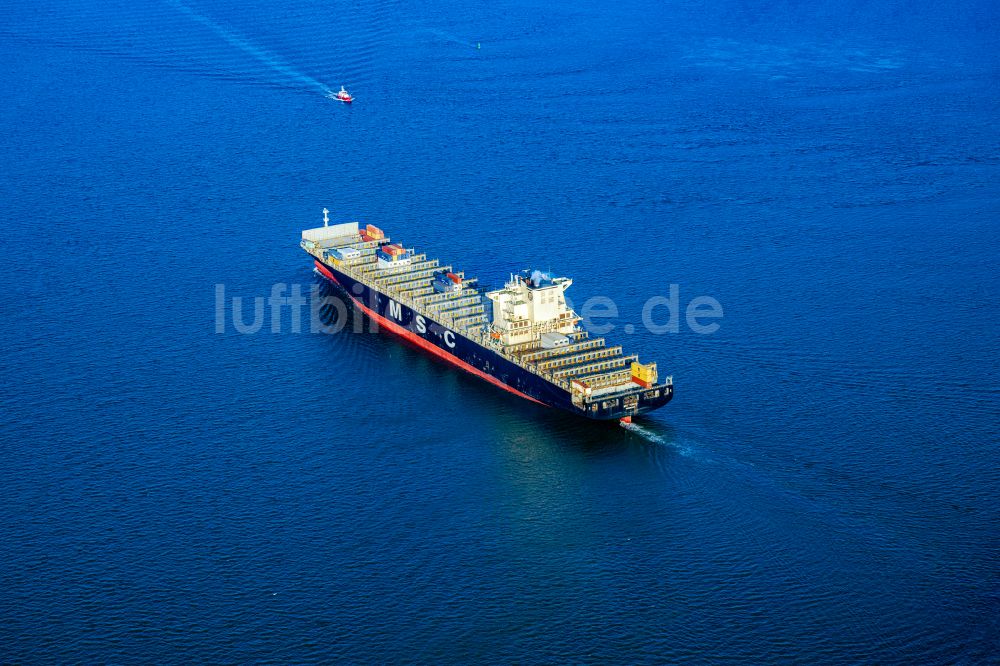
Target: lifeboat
[{"x": 344, "y": 96}]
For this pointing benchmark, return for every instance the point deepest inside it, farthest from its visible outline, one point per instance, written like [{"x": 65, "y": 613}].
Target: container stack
[
  {"x": 447, "y": 283},
  {"x": 340, "y": 255},
  {"x": 371, "y": 233},
  {"x": 393, "y": 255},
  {"x": 552, "y": 339},
  {"x": 644, "y": 374}
]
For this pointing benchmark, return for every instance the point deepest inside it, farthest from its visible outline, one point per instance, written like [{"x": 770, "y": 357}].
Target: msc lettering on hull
[{"x": 396, "y": 312}]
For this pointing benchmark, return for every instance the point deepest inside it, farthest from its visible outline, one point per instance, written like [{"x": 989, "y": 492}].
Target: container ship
[{"x": 522, "y": 338}]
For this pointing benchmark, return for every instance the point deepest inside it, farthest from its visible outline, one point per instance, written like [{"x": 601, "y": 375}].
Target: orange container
[{"x": 374, "y": 232}]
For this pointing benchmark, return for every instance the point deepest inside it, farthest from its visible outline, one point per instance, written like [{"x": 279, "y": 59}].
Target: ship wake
[
  {"x": 269, "y": 60},
  {"x": 654, "y": 438}
]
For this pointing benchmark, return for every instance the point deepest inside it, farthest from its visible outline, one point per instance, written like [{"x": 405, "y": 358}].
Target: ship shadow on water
[{"x": 350, "y": 331}]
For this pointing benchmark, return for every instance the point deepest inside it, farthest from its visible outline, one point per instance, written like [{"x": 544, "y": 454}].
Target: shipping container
[
  {"x": 374, "y": 232},
  {"x": 645, "y": 373},
  {"x": 385, "y": 256},
  {"x": 553, "y": 340},
  {"x": 386, "y": 261},
  {"x": 443, "y": 285}
]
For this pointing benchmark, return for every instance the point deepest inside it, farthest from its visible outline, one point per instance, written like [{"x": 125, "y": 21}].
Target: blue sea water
[{"x": 823, "y": 488}]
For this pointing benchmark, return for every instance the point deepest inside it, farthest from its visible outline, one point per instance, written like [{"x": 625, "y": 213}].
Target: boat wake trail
[
  {"x": 243, "y": 44},
  {"x": 654, "y": 438}
]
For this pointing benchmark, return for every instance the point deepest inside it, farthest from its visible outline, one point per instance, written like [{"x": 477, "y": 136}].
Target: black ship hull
[{"x": 469, "y": 355}]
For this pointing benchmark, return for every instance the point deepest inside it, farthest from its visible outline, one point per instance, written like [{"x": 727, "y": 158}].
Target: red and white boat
[{"x": 344, "y": 96}]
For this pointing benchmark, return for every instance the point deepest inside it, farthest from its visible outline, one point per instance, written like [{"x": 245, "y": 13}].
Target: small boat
[{"x": 344, "y": 96}]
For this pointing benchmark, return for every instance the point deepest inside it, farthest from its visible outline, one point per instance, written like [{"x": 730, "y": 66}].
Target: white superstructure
[{"x": 529, "y": 306}]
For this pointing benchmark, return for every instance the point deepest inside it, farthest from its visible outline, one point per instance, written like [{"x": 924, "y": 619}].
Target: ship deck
[{"x": 604, "y": 369}]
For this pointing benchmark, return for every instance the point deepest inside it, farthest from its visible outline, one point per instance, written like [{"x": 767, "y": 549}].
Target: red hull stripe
[
  {"x": 326, "y": 271},
  {"x": 426, "y": 346}
]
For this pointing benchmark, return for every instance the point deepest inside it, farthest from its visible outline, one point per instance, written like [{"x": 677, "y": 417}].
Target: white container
[
  {"x": 382, "y": 263},
  {"x": 553, "y": 340}
]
